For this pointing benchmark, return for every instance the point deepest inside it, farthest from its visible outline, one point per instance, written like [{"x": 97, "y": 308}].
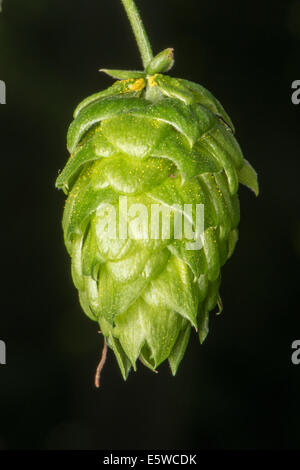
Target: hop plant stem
[{"x": 139, "y": 31}]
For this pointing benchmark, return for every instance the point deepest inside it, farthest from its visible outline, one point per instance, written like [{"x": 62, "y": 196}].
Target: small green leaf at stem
[
  {"x": 162, "y": 62},
  {"x": 123, "y": 74}
]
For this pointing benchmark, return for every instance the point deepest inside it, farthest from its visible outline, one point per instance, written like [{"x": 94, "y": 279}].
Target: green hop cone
[{"x": 148, "y": 148}]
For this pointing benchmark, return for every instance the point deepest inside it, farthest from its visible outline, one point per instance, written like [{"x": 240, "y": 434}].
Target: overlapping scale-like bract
[{"x": 172, "y": 147}]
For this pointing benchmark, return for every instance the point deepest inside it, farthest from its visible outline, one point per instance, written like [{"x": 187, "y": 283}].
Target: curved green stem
[{"x": 139, "y": 31}]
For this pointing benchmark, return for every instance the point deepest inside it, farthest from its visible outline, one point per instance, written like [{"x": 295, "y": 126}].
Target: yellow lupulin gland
[
  {"x": 138, "y": 85},
  {"x": 151, "y": 80}
]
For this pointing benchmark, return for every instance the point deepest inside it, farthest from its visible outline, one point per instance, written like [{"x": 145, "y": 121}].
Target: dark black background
[{"x": 238, "y": 390}]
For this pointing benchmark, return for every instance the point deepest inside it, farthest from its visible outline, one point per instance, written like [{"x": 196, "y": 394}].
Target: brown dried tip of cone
[{"x": 101, "y": 365}]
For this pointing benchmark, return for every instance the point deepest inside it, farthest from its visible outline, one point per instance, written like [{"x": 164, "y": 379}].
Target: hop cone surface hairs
[{"x": 150, "y": 139}]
